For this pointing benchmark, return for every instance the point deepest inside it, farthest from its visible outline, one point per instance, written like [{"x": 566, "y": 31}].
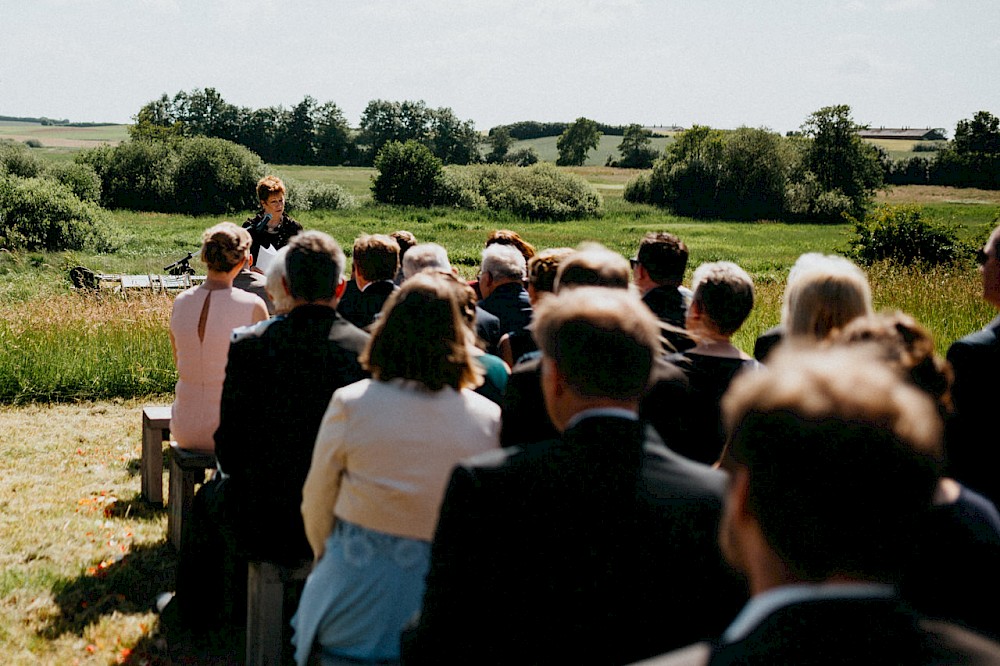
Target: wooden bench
[
  {"x": 266, "y": 582},
  {"x": 187, "y": 470},
  {"x": 155, "y": 431}
]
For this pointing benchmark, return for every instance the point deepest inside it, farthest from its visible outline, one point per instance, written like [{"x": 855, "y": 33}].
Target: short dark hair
[
  {"x": 421, "y": 336},
  {"x": 593, "y": 265},
  {"x": 842, "y": 458},
  {"x": 724, "y": 293},
  {"x": 376, "y": 257},
  {"x": 664, "y": 256},
  {"x": 314, "y": 266},
  {"x": 604, "y": 341}
]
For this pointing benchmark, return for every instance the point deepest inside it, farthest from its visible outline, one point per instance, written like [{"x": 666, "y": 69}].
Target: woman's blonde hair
[
  {"x": 224, "y": 246},
  {"x": 826, "y": 296},
  {"x": 421, "y": 336}
]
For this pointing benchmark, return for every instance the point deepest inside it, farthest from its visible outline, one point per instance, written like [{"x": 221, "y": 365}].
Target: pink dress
[{"x": 201, "y": 323}]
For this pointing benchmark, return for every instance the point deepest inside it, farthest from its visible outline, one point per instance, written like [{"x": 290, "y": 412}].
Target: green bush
[
  {"x": 33, "y": 143},
  {"x": 460, "y": 188},
  {"x": 900, "y": 235},
  {"x": 17, "y": 160},
  {"x": 215, "y": 176},
  {"x": 42, "y": 214},
  {"x": 81, "y": 179},
  {"x": 540, "y": 192},
  {"x": 408, "y": 175},
  {"x": 521, "y": 157},
  {"x": 315, "y": 195},
  {"x": 137, "y": 175}
]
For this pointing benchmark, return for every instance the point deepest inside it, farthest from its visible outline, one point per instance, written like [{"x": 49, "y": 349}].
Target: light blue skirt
[{"x": 360, "y": 595}]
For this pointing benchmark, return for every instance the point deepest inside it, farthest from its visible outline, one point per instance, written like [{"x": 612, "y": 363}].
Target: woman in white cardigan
[{"x": 383, "y": 456}]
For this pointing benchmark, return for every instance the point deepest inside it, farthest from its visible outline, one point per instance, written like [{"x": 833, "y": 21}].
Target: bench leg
[
  {"x": 182, "y": 483},
  {"x": 265, "y": 598},
  {"x": 152, "y": 462}
]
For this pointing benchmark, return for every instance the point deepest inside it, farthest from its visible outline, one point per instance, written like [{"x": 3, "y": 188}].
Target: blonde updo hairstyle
[{"x": 224, "y": 246}]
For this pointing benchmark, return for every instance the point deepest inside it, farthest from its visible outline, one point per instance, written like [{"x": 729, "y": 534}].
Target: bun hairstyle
[{"x": 224, "y": 246}]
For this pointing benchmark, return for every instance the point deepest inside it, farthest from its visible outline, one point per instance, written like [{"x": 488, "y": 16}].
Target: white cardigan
[{"x": 384, "y": 454}]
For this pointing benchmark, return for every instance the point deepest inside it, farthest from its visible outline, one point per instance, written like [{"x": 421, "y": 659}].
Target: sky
[{"x": 723, "y": 63}]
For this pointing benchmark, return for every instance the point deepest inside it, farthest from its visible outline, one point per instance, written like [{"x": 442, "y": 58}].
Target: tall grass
[{"x": 85, "y": 347}]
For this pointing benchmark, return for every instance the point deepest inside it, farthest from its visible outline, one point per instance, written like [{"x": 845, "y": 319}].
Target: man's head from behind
[
  {"x": 592, "y": 265},
  {"x": 833, "y": 460},
  {"x": 423, "y": 256},
  {"x": 723, "y": 297},
  {"x": 376, "y": 257},
  {"x": 314, "y": 267},
  {"x": 502, "y": 264},
  {"x": 662, "y": 257},
  {"x": 598, "y": 348}
]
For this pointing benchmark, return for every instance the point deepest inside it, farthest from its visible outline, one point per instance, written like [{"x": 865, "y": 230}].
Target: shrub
[
  {"x": 137, "y": 175},
  {"x": 42, "y": 214},
  {"x": 910, "y": 171},
  {"x": 929, "y": 146},
  {"x": 81, "y": 179},
  {"x": 540, "y": 192},
  {"x": 900, "y": 235},
  {"x": 33, "y": 143},
  {"x": 314, "y": 195},
  {"x": 17, "y": 160},
  {"x": 522, "y": 157},
  {"x": 215, "y": 176},
  {"x": 408, "y": 175},
  {"x": 460, "y": 188},
  {"x": 806, "y": 199}
]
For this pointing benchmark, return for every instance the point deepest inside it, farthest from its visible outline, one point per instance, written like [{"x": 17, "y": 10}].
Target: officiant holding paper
[{"x": 270, "y": 227}]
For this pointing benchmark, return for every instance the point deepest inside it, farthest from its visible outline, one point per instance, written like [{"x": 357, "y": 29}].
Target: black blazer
[
  {"x": 369, "y": 303},
  {"x": 596, "y": 548},
  {"x": 510, "y": 304},
  {"x": 972, "y": 433},
  {"x": 859, "y": 631},
  {"x": 280, "y": 377}
]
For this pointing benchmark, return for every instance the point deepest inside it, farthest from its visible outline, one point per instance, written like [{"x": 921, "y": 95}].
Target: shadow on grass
[
  {"x": 135, "y": 508},
  {"x": 129, "y": 586}
]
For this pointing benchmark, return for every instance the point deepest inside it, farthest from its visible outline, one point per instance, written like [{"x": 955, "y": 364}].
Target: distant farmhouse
[{"x": 927, "y": 134}]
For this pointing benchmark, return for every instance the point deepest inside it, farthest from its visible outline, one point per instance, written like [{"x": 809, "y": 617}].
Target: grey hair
[
  {"x": 504, "y": 262},
  {"x": 425, "y": 255}
]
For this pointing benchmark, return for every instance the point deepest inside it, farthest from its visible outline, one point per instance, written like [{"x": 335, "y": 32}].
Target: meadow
[{"x": 82, "y": 557}]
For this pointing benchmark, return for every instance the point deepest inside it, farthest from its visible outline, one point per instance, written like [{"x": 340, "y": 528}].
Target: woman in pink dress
[{"x": 201, "y": 324}]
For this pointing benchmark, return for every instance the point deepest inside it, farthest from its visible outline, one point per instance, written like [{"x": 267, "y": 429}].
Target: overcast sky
[{"x": 724, "y": 63}]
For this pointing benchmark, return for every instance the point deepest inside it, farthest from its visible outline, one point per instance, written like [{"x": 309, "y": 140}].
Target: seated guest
[
  {"x": 405, "y": 240},
  {"x": 376, "y": 260},
  {"x": 501, "y": 281},
  {"x": 833, "y": 462},
  {"x": 972, "y": 453},
  {"x": 723, "y": 299},
  {"x": 954, "y": 561},
  {"x": 255, "y": 283},
  {"x": 201, "y": 323},
  {"x": 274, "y": 283},
  {"x": 270, "y": 227},
  {"x": 823, "y": 293},
  {"x": 382, "y": 458},
  {"x": 541, "y": 280},
  {"x": 280, "y": 377},
  {"x": 658, "y": 268},
  {"x": 505, "y": 237},
  {"x": 664, "y": 402},
  {"x": 596, "y": 547},
  {"x": 434, "y": 256}
]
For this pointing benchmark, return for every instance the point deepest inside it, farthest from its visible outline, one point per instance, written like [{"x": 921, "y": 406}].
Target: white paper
[{"x": 265, "y": 257}]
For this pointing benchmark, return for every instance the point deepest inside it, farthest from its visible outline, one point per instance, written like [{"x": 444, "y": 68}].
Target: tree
[
  {"x": 453, "y": 141},
  {"x": 500, "y": 142},
  {"x": 156, "y": 121},
  {"x": 333, "y": 136},
  {"x": 979, "y": 135},
  {"x": 636, "y": 149},
  {"x": 408, "y": 174},
  {"x": 842, "y": 162},
  {"x": 579, "y": 138}
]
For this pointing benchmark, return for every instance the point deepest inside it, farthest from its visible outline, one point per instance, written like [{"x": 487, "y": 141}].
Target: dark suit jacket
[
  {"x": 844, "y": 631},
  {"x": 596, "y": 548},
  {"x": 972, "y": 433},
  {"x": 488, "y": 329},
  {"x": 509, "y": 302},
  {"x": 368, "y": 303},
  {"x": 767, "y": 341},
  {"x": 524, "y": 419},
  {"x": 255, "y": 283},
  {"x": 280, "y": 377},
  {"x": 670, "y": 306}
]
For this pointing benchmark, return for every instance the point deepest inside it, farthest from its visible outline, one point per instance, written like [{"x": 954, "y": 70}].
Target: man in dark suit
[
  {"x": 501, "y": 281},
  {"x": 658, "y": 269},
  {"x": 597, "y": 547},
  {"x": 279, "y": 380},
  {"x": 663, "y": 404},
  {"x": 972, "y": 451},
  {"x": 833, "y": 461},
  {"x": 375, "y": 262}
]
